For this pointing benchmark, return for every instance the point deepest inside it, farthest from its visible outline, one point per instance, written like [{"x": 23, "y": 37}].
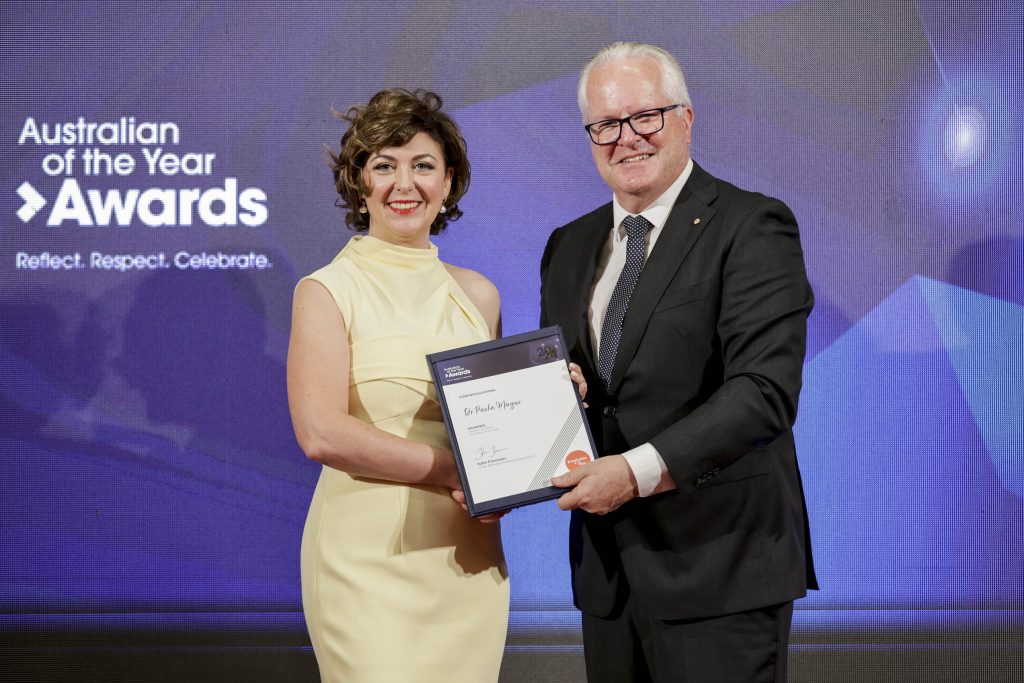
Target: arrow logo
[{"x": 33, "y": 202}]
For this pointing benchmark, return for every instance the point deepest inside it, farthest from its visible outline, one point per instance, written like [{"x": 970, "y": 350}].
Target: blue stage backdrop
[{"x": 164, "y": 187}]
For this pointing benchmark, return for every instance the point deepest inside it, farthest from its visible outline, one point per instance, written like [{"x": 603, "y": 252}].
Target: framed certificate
[{"x": 514, "y": 418}]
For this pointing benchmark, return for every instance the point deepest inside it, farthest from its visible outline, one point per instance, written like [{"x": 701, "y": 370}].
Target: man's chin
[
  {"x": 636, "y": 171},
  {"x": 634, "y": 185}
]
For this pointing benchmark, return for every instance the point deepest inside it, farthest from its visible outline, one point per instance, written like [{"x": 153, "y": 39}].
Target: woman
[{"x": 398, "y": 583}]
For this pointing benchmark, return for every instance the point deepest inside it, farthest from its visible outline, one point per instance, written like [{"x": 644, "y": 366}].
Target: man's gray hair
[{"x": 672, "y": 81}]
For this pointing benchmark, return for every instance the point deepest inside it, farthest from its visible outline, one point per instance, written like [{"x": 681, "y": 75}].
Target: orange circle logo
[{"x": 577, "y": 459}]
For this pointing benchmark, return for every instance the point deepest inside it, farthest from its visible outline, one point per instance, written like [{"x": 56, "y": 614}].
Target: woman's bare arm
[{"x": 318, "y": 371}]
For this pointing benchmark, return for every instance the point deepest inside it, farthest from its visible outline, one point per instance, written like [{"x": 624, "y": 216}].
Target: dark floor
[{"x": 553, "y": 655}]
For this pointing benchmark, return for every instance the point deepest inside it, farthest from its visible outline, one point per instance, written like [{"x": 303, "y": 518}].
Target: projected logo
[
  {"x": 108, "y": 150},
  {"x": 33, "y": 202},
  {"x": 125, "y": 173}
]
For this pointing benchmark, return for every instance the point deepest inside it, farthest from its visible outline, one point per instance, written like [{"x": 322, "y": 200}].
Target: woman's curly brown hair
[{"x": 391, "y": 119}]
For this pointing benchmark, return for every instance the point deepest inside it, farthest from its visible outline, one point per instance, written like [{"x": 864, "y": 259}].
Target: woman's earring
[
  {"x": 444, "y": 209},
  {"x": 362, "y": 208}
]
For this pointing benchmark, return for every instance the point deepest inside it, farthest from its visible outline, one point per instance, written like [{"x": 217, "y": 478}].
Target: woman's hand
[
  {"x": 460, "y": 498},
  {"x": 576, "y": 375}
]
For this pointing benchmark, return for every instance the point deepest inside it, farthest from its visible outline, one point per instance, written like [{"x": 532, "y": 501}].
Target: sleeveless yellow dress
[{"x": 398, "y": 583}]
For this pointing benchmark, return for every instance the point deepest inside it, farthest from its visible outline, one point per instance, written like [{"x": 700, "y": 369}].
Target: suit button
[{"x": 609, "y": 411}]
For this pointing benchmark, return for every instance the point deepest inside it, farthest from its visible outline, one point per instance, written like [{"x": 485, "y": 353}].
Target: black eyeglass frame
[{"x": 629, "y": 120}]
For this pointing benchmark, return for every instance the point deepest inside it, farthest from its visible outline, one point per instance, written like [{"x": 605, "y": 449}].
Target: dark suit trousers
[{"x": 631, "y": 645}]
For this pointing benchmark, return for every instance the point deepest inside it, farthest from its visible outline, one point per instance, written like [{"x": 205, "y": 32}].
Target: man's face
[{"x": 638, "y": 168}]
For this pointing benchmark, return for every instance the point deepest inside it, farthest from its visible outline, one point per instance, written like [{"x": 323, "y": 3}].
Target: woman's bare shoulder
[{"x": 480, "y": 290}]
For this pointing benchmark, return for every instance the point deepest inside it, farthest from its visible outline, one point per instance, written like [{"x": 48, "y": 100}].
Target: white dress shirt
[{"x": 644, "y": 460}]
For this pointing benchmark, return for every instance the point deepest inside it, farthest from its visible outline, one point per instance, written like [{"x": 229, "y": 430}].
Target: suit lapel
[
  {"x": 689, "y": 218},
  {"x": 582, "y": 278}
]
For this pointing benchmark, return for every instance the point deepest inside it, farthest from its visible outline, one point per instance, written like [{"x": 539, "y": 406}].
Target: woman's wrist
[{"x": 443, "y": 471}]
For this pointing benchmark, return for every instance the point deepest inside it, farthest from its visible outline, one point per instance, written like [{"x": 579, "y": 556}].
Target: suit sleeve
[
  {"x": 545, "y": 261},
  {"x": 762, "y": 325}
]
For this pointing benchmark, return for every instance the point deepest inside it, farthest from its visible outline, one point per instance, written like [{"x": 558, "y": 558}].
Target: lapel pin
[{"x": 696, "y": 221}]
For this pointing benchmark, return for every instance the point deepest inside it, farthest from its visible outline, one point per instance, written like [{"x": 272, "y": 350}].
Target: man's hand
[
  {"x": 576, "y": 375},
  {"x": 601, "y": 486}
]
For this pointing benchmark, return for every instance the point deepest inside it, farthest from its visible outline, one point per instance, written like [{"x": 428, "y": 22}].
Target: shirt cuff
[{"x": 647, "y": 466}]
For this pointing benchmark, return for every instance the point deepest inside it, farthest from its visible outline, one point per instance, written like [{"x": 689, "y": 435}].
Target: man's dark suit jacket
[{"x": 708, "y": 371}]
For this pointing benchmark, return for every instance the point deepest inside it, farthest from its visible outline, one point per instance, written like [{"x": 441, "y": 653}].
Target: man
[{"x": 685, "y": 302}]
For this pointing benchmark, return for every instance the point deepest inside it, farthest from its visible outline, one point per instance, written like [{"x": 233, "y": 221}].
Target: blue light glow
[{"x": 965, "y": 135}]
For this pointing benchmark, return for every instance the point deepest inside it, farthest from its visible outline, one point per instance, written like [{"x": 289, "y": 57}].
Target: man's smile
[{"x": 636, "y": 157}]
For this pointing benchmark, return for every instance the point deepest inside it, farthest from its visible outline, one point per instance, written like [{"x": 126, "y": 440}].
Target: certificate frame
[{"x": 503, "y": 353}]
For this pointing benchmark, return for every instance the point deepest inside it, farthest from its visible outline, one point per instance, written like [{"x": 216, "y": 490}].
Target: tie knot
[{"x": 636, "y": 226}]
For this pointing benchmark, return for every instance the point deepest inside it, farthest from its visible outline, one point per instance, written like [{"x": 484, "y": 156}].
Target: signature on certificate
[{"x": 485, "y": 452}]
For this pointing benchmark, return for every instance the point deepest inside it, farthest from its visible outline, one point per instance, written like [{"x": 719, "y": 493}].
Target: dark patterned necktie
[{"x": 611, "y": 329}]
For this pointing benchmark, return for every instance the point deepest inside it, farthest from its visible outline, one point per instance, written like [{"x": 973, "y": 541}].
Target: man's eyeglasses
[{"x": 646, "y": 122}]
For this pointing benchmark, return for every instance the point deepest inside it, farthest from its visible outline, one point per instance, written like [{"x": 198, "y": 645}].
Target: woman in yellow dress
[{"x": 398, "y": 583}]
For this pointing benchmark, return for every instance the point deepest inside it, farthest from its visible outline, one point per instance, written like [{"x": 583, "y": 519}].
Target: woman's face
[{"x": 406, "y": 187}]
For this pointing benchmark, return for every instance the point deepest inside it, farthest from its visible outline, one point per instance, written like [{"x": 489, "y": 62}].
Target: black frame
[{"x": 520, "y": 499}]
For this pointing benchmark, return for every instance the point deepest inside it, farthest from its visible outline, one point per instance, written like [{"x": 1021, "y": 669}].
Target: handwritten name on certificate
[{"x": 514, "y": 418}]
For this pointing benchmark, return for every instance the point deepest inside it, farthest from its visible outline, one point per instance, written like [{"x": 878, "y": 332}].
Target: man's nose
[{"x": 628, "y": 136}]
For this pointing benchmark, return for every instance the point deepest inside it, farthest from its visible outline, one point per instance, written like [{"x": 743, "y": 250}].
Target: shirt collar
[{"x": 657, "y": 213}]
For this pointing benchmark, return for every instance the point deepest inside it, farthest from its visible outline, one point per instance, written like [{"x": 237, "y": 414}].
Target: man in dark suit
[{"x": 685, "y": 302}]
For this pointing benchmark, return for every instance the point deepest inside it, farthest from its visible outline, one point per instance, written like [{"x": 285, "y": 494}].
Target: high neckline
[{"x": 376, "y": 248}]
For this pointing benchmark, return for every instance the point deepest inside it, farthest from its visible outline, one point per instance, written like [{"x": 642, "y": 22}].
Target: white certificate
[{"x": 514, "y": 418}]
